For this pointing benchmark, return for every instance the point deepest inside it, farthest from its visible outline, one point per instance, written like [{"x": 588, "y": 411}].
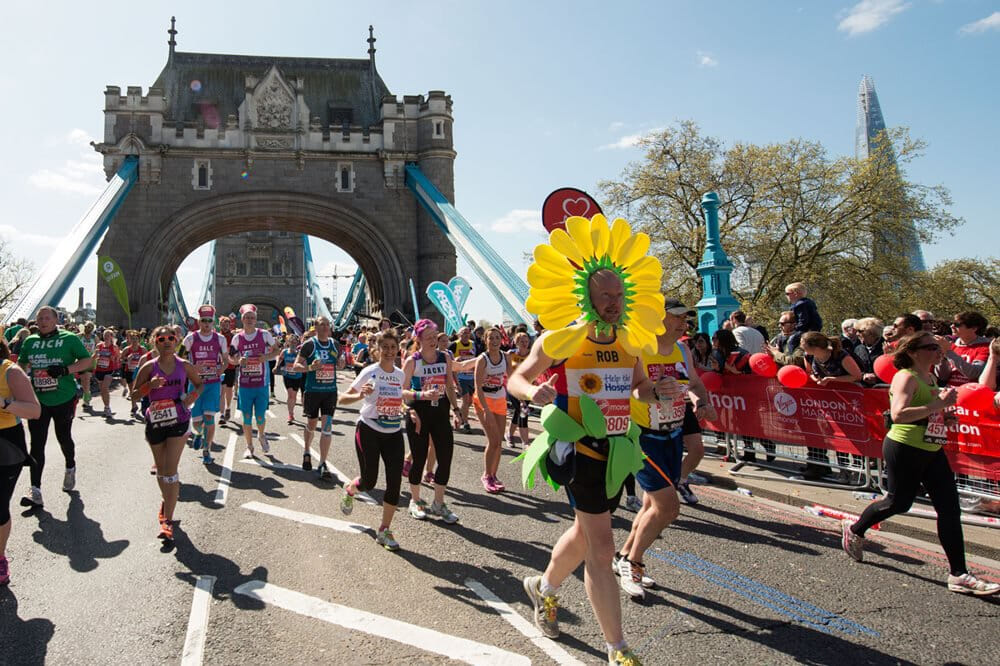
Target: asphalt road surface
[{"x": 265, "y": 569}]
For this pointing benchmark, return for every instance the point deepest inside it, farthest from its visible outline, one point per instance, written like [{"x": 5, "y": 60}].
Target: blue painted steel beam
[
  {"x": 50, "y": 285},
  {"x": 177, "y": 304},
  {"x": 507, "y": 287},
  {"x": 352, "y": 303},
  {"x": 312, "y": 282},
  {"x": 208, "y": 283}
]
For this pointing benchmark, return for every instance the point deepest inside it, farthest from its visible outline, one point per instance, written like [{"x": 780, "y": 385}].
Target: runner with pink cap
[
  {"x": 207, "y": 352},
  {"x": 250, "y": 349}
]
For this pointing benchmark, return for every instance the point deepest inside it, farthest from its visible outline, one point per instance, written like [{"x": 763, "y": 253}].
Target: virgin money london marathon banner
[{"x": 847, "y": 418}]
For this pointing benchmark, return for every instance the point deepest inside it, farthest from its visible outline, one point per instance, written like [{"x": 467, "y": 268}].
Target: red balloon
[
  {"x": 711, "y": 380},
  {"x": 792, "y": 376},
  {"x": 975, "y": 397},
  {"x": 884, "y": 369},
  {"x": 763, "y": 365}
]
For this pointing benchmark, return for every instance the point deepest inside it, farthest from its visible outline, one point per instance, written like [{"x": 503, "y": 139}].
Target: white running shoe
[
  {"x": 646, "y": 582},
  {"x": 969, "y": 584},
  {"x": 386, "y": 540},
  {"x": 264, "y": 446},
  {"x": 630, "y": 576},
  {"x": 418, "y": 509},
  {"x": 33, "y": 498},
  {"x": 69, "y": 479},
  {"x": 854, "y": 545},
  {"x": 442, "y": 511}
]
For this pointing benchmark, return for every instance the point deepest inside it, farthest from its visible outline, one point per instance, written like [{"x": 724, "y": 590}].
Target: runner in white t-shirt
[{"x": 380, "y": 431}]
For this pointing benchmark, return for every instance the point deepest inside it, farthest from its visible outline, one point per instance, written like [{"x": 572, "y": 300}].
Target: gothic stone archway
[{"x": 242, "y": 143}]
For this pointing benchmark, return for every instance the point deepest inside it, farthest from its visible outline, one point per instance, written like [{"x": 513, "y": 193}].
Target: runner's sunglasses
[{"x": 166, "y": 338}]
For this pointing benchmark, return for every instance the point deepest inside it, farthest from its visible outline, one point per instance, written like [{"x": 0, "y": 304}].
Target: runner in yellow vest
[{"x": 661, "y": 424}]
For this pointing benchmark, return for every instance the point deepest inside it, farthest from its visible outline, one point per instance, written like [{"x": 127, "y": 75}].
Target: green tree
[
  {"x": 958, "y": 285},
  {"x": 789, "y": 212},
  {"x": 15, "y": 274}
]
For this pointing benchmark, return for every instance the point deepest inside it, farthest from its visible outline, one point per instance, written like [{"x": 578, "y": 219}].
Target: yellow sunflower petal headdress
[{"x": 560, "y": 276}]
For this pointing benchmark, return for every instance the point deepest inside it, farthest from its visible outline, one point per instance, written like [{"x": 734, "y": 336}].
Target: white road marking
[
  {"x": 364, "y": 497},
  {"x": 306, "y": 518},
  {"x": 460, "y": 649},
  {"x": 270, "y": 465},
  {"x": 546, "y": 645},
  {"x": 270, "y": 414},
  {"x": 227, "y": 471},
  {"x": 194, "y": 643}
]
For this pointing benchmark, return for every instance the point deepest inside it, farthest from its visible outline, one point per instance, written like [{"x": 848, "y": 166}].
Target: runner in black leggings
[
  {"x": 914, "y": 457},
  {"x": 429, "y": 374},
  {"x": 379, "y": 433},
  {"x": 17, "y": 401}
]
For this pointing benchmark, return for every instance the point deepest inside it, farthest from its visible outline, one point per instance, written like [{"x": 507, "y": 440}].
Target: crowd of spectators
[{"x": 969, "y": 349}]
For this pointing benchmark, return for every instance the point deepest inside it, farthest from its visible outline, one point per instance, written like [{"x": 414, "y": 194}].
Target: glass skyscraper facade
[{"x": 870, "y": 123}]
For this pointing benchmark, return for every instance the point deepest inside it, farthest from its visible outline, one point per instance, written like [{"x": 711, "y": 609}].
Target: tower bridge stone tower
[{"x": 230, "y": 144}]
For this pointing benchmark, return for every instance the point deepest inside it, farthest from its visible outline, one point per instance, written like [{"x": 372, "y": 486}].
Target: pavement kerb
[{"x": 907, "y": 526}]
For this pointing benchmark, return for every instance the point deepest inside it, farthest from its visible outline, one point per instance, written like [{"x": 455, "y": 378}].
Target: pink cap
[
  {"x": 248, "y": 307},
  {"x": 206, "y": 311}
]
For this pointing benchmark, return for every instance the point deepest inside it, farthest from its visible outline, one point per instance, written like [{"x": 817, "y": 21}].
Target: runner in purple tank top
[{"x": 165, "y": 379}]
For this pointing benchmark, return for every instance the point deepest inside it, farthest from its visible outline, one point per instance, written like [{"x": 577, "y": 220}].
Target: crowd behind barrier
[{"x": 847, "y": 419}]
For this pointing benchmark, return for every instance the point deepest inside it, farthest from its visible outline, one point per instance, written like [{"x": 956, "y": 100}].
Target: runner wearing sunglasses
[
  {"x": 207, "y": 350},
  {"x": 167, "y": 418}
]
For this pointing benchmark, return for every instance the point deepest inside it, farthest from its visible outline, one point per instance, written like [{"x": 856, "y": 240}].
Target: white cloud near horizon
[
  {"x": 11, "y": 234},
  {"x": 518, "y": 221},
  {"x": 629, "y": 140},
  {"x": 991, "y": 22},
  {"x": 705, "y": 59},
  {"x": 83, "y": 175},
  {"x": 869, "y": 15}
]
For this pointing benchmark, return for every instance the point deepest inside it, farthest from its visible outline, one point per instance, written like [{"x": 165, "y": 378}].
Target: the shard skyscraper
[{"x": 870, "y": 124}]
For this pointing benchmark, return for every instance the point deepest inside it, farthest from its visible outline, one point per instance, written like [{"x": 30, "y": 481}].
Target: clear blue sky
[{"x": 545, "y": 94}]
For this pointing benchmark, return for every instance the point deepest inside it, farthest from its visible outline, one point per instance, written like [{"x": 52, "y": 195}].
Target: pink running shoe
[
  {"x": 429, "y": 477},
  {"x": 498, "y": 485},
  {"x": 4, "y": 571},
  {"x": 488, "y": 484},
  {"x": 407, "y": 464}
]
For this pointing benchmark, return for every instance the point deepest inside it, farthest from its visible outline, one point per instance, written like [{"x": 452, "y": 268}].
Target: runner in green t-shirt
[{"x": 51, "y": 356}]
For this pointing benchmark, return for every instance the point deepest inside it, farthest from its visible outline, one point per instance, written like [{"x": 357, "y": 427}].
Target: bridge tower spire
[{"x": 172, "y": 42}]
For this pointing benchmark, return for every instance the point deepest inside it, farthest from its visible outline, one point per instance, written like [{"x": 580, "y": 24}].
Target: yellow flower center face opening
[{"x": 560, "y": 281}]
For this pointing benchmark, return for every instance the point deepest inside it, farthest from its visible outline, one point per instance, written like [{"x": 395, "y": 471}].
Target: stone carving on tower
[{"x": 274, "y": 107}]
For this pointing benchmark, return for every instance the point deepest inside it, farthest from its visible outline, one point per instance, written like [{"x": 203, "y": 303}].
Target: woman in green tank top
[{"x": 913, "y": 453}]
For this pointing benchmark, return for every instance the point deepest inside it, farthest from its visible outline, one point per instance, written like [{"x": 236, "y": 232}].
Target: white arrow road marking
[
  {"x": 194, "y": 643},
  {"x": 364, "y": 497},
  {"x": 546, "y": 645},
  {"x": 227, "y": 471},
  {"x": 429, "y": 640},
  {"x": 306, "y": 518}
]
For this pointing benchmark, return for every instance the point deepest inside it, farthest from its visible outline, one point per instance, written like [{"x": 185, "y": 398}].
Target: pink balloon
[
  {"x": 975, "y": 397},
  {"x": 711, "y": 380},
  {"x": 762, "y": 364},
  {"x": 792, "y": 376},
  {"x": 884, "y": 369}
]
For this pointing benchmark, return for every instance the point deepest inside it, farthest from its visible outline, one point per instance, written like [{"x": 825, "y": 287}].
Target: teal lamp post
[{"x": 717, "y": 302}]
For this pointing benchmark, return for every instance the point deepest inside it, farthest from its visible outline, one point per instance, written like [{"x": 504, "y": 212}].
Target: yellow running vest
[
  {"x": 662, "y": 416},
  {"x": 603, "y": 371},
  {"x": 7, "y": 420}
]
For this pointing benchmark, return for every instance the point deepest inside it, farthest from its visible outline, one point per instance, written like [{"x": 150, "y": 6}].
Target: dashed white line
[
  {"x": 343, "y": 478},
  {"x": 270, "y": 465},
  {"x": 429, "y": 640},
  {"x": 270, "y": 414},
  {"x": 227, "y": 470},
  {"x": 194, "y": 642},
  {"x": 306, "y": 518},
  {"x": 546, "y": 645}
]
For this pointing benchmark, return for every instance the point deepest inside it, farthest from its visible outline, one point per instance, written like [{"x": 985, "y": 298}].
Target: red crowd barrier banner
[{"x": 843, "y": 417}]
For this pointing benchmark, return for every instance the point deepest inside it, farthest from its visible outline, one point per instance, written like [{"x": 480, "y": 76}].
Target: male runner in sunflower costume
[{"x": 590, "y": 352}]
